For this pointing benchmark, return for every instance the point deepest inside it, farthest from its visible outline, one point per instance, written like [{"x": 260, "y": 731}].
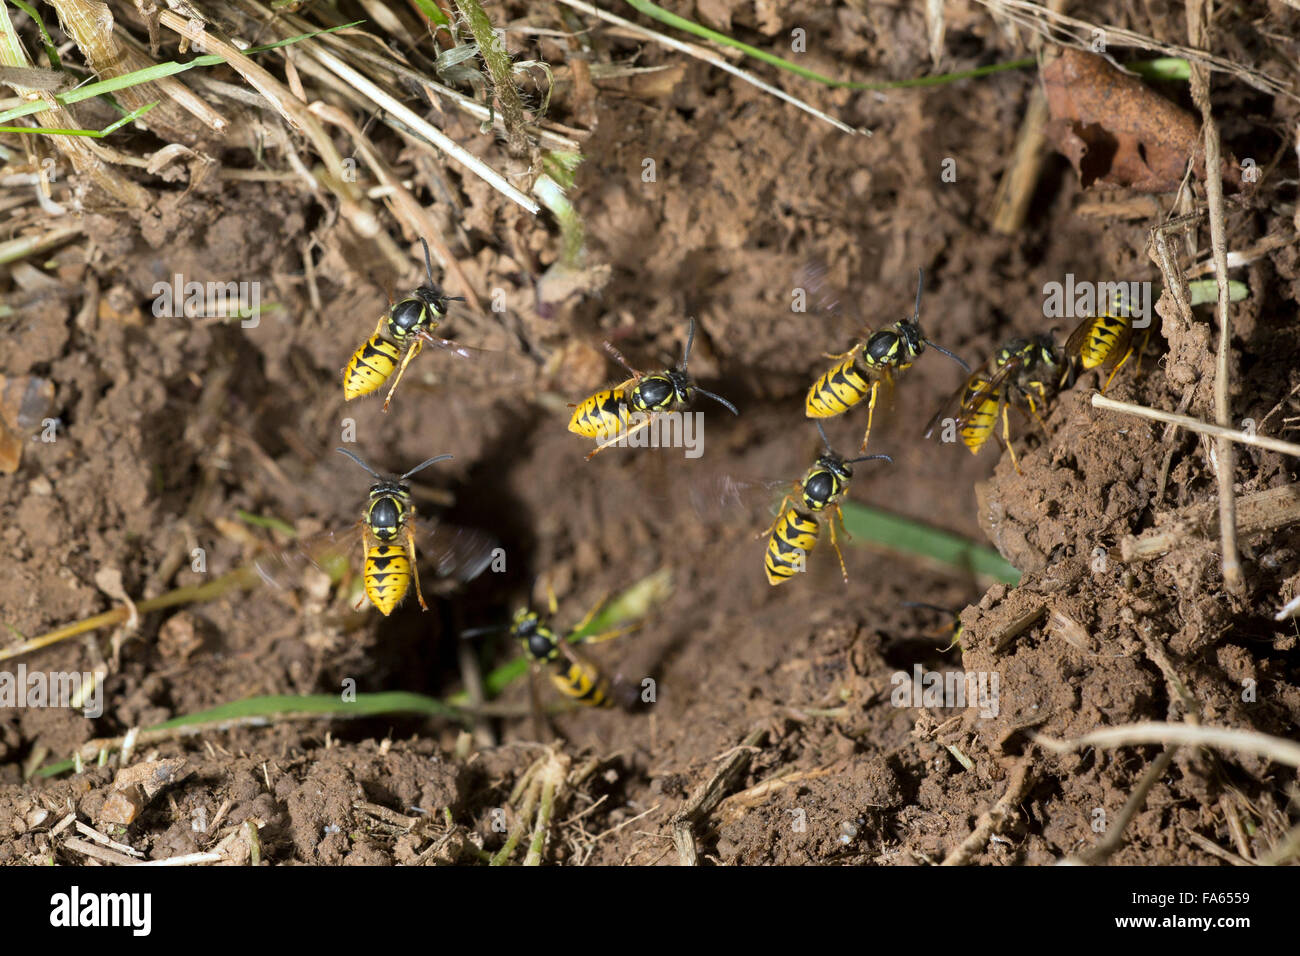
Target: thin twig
[
  {"x": 996, "y": 817},
  {"x": 1198, "y": 30},
  {"x": 1154, "y": 732},
  {"x": 1196, "y": 425},
  {"x": 713, "y": 60}
]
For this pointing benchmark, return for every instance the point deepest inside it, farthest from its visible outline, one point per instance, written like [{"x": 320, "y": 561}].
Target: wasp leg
[
  {"x": 830, "y": 522},
  {"x": 871, "y": 412},
  {"x": 1033, "y": 410},
  {"x": 780, "y": 513},
  {"x": 382, "y": 319},
  {"x": 411, "y": 353},
  {"x": 609, "y": 635},
  {"x": 1115, "y": 370},
  {"x": 615, "y": 439},
  {"x": 1006, "y": 435},
  {"x": 1146, "y": 337},
  {"x": 590, "y": 615},
  {"x": 415, "y": 572},
  {"x": 843, "y": 355}
]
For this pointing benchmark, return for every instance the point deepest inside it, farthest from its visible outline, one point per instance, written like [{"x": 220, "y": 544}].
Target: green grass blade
[
  {"x": 433, "y": 12},
  {"x": 1162, "y": 68},
  {"x": 50, "y": 49},
  {"x": 282, "y": 705},
  {"x": 690, "y": 26},
  {"x": 1203, "y": 291},
  {"x": 96, "y": 133},
  {"x": 905, "y": 536},
  {"x": 150, "y": 73}
]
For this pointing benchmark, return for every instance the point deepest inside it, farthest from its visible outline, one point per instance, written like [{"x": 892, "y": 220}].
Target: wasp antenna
[
  {"x": 940, "y": 348},
  {"x": 428, "y": 263},
  {"x": 360, "y": 462},
  {"x": 854, "y": 461},
  {"x": 719, "y": 399},
  {"x": 474, "y": 632},
  {"x": 424, "y": 464},
  {"x": 920, "y": 285},
  {"x": 690, "y": 340},
  {"x": 825, "y": 441}
]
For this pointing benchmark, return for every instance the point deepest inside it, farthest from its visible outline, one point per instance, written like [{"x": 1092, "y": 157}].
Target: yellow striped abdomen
[
  {"x": 598, "y": 417},
  {"x": 787, "y": 549},
  {"x": 387, "y": 576},
  {"x": 980, "y": 415},
  {"x": 581, "y": 683},
  {"x": 370, "y": 366},
  {"x": 838, "y": 390},
  {"x": 1101, "y": 343}
]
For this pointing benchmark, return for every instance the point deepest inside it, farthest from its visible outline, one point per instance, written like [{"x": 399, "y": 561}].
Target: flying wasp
[
  {"x": 1024, "y": 373},
  {"x": 864, "y": 369},
  {"x": 795, "y": 531},
  {"x": 388, "y": 533},
  {"x": 604, "y": 415},
  {"x": 575, "y": 676},
  {"x": 1105, "y": 340},
  {"x": 409, "y": 324}
]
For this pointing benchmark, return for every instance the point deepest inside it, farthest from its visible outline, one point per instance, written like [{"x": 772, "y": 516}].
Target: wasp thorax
[
  {"x": 406, "y": 317},
  {"x": 661, "y": 391},
  {"x": 385, "y": 516},
  {"x": 539, "y": 645}
]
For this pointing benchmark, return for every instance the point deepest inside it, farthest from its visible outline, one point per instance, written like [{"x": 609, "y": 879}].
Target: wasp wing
[
  {"x": 328, "y": 551},
  {"x": 453, "y": 551},
  {"x": 969, "y": 399}
]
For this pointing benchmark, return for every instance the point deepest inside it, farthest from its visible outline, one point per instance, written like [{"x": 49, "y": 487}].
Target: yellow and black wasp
[
  {"x": 1105, "y": 340},
  {"x": 604, "y": 416},
  {"x": 575, "y": 676},
  {"x": 388, "y": 532},
  {"x": 863, "y": 370},
  {"x": 1025, "y": 373},
  {"x": 409, "y": 324},
  {"x": 794, "y": 533}
]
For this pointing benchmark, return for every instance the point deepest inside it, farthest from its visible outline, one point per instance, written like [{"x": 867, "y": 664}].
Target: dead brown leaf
[{"x": 1116, "y": 131}]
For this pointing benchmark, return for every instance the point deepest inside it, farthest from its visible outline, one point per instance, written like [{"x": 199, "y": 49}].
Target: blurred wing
[
  {"x": 972, "y": 394},
  {"x": 727, "y": 495},
  {"x": 327, "y": 551},
  {"x": 453, "y": 551}
]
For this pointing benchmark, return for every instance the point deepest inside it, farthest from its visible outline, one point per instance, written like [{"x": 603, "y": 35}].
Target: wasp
[
  {"x": 604, "y": 415},
  {"x": 389, "y": 533},
  {"x": 1025, "y": 373},
  {"x": 573, "y": 674},
  {"x": 795, "y": 531},
  {"x": 409, "y": 324},
  {"x": 860, "y": 372},
  {"x": 1104, "y": 340}
]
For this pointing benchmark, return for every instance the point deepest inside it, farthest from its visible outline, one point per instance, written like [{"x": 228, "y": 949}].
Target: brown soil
[{"x": 171, "y": 425}]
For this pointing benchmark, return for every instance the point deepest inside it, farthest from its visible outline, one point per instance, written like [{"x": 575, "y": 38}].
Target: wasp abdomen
[
  {"x": 838, "y": 390},
  {"x": 1099, "y": 345},
  {"x": 582, "y": 684},
  {"x": 793, "y": 537},
  {"x": 387, "y": 576},
  {"x": 599, "y": 416},
  {"x": 370, "y": 366}
]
